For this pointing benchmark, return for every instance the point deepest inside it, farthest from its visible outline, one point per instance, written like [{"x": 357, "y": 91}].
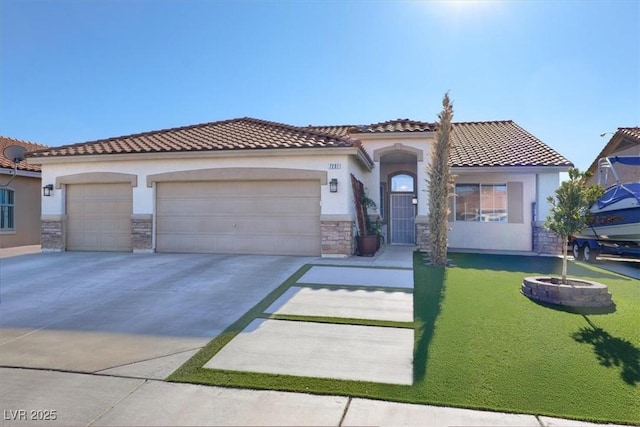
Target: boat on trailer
[{"x": 614, "y": 227}]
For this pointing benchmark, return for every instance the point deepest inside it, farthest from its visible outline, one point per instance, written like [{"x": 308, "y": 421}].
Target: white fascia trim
[
  {"x": 508, "y": 169},
  {"x": 266, "y": 152},
  {"x": 30, "y": 174},
  {"x": 365, "y": 160}
]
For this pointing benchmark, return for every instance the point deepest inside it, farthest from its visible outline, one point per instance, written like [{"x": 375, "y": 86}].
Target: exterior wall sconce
[
  {"x": 333, "y": 185},
  {"x": 47, "y": 189},
  {"x": 414, "y": 200}
]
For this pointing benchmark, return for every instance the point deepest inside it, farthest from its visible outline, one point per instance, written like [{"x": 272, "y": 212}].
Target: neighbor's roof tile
[
  {"x": 29, "y": 146},
  {"x": 633, "y": 133},
  {"x": 628, "y": 136}
]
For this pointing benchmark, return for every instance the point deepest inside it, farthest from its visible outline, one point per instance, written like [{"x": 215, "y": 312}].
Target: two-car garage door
[{"x": 239, "y": 217}]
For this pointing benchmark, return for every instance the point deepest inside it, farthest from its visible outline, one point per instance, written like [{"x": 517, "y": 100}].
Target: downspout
[
  {"x": 534, "y": 215},
  {"x": 15, "y": 173}
]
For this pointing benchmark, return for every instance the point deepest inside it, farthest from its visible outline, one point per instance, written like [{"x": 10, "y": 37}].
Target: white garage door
[
  {"x": 99, "y": 217},
  {"x": 239, "y": 217}
]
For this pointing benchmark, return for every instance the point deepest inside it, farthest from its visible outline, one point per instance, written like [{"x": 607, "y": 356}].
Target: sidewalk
[
  {"x": 121, "y": 401},
  {"x": 19, "y": 250}
]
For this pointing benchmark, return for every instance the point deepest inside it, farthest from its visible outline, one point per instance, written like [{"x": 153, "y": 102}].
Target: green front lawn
[
  {"x": 484, "y": 345},
  {"x": 480, "y": 344}
]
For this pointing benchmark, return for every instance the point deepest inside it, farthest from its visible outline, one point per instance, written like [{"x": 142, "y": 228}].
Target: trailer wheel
[
  {"x": 589, "y": 254},
  {"x": 577, "y": 252}
]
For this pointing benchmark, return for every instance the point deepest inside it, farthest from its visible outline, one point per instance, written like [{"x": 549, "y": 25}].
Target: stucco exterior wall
[
  {"x": 337, "y": 209},
  {"x": 548, "y": 183},
  {"x": 143, "y": 196},
  {"x": 27, "y": 212}
]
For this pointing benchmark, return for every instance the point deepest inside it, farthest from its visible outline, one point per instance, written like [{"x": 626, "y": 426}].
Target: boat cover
[
  {"x": 626, "y": 160},
  {"x": 619, "y": 192}
]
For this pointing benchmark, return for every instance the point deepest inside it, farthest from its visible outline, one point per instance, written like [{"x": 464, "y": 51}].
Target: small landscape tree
[
  {"x": 439, "y": 179},
  {"x": 569, "y": 213}
]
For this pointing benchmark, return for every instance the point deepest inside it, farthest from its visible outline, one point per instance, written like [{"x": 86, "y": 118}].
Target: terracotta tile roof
[
  {"x": 493, "y": 143},
  {"x": 401, "y": 125},
  {"x": 8, "y": 163},
  {"x": 500, "y": 143},
  {"x": 236, "y": 134},
  {"x": 397, "y": 125},
  {"x": 339, "y": 130}
]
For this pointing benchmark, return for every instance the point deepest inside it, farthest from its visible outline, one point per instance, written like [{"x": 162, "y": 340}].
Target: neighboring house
[
  {"x": 257, "y": 187},
  {"x": 625, "y": 142},
  {"x": 19, "y": 198}
]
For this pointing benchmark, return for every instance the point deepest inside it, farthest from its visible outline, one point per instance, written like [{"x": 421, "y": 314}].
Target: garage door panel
[
  {"x": 265, "y": 217},
  {"x": 237, "y": 225},
  {"x": 289, "y": 205},
  {"x": 99, "y": 217},
  {"x": 240, "y": 206},
  {"x": 233, "y": 244}
]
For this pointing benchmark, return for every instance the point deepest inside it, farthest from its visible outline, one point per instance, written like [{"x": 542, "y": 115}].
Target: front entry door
[{"x": 402, "y": 219}]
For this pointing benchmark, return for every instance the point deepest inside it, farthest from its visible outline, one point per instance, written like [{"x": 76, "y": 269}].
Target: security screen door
[
  {"x": 402, "y": 219},
  {"x": 403, "y": 212}
]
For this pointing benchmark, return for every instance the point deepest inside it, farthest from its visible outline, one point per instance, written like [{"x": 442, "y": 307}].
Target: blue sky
[{"x": 74, "y": 71}]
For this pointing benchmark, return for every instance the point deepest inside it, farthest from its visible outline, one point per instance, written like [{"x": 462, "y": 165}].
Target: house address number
[{"x": 335, "y": 165}]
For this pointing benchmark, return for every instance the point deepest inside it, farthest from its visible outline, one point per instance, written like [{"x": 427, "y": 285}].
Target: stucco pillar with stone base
[
  {"x": 142, "y": 233},
  {"x": 336, "y": 235},
  {"x": 52, "y": 233}
]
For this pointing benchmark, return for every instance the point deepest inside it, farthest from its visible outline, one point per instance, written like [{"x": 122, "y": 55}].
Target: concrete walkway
[
  {"x": 316, "y": 349},
  {"x": 400, "y": 256},
  {"x": 320, "y": 350},
  {"x": 351, "y": 303},
  {"x": 359, "y": 276}
]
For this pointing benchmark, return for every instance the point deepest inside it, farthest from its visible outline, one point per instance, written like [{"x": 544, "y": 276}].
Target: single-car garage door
[
  {"x": 99, "y": 217},
  {"x": 239, "y": 217}
]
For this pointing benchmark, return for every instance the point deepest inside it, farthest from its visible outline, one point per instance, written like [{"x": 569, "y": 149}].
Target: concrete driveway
[{"x": 137, "y": 315}]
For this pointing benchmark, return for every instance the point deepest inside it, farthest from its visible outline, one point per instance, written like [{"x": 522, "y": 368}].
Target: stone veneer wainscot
[
  {"x": 142, "y": 232},
  {"x": 336, "y": 236},
  {"x": 52, "y": 233}
]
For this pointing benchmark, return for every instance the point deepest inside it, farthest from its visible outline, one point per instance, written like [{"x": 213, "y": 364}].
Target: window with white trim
[
  {"x": 7, "y": 209},
  {"x": 481, "y": 202}
]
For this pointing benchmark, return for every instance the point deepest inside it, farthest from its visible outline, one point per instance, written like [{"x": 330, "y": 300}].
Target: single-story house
[
  {"x": 624, "y": 142},
  {"x": 251, "y": 186},
  {"x": 20, "y": 192}
]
